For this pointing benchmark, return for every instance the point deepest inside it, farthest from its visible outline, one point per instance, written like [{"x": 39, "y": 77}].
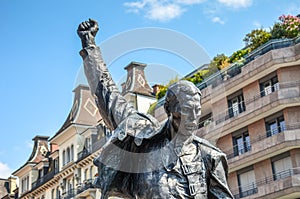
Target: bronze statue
[{"x": 143, "y": 159}]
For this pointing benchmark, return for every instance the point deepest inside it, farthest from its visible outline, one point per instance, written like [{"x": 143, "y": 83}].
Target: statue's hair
[{"x": 177, "y": 93}]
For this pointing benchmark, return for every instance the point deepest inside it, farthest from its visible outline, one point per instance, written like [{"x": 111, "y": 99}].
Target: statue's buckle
[
  {"x": 191, "y": 168},
  {"x": 186, "y": 169},
  {"x": 192, "y": 189}
]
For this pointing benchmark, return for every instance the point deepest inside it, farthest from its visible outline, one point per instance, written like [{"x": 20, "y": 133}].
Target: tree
[
  {"x": 278, "y": 31},
  {"x": 163, "y": 89},
  {"x": 198, "y": 77},
  {"x": 256, "y": 38},
  {"x": 238, "y": 55}
]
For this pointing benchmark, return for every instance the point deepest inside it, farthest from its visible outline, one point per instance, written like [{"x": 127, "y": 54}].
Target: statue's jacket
[{"x": 139, "y": 158}]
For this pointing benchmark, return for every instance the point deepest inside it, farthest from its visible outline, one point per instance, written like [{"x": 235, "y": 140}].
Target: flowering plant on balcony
[{"x": 288, "y": 27}]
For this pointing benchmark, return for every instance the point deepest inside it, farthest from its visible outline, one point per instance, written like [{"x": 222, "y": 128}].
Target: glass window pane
[
  {"x": 247, "y": 143},
  {"x": 273, "y": 128},
  {"x": 282, "y": 168},
  {"x": 268, "y": 88},
  {"x": 282, "y": 126},
  {"x": 240, "y": 145}
]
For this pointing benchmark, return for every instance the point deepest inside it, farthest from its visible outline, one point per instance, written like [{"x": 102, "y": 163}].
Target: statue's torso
[{"x": 180, "y": 168}]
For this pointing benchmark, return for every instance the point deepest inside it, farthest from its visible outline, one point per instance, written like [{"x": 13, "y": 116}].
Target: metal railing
[
  {"x": 44, "y": 179},
  {"x": 87, "y": 184},
  {"x": 252, "y": 188},
  {"x": 83, "y": 154},
  {"x": 238, "y": 150},
  {"x": 247, "y": 147},
  {"x": 281, "y": 129},
  {"x": 270, "y": 45},
  {"x": 230, "y": 113}
]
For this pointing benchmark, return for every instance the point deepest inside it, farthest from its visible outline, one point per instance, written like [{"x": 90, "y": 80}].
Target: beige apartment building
[{"x": 252, "y": 113}]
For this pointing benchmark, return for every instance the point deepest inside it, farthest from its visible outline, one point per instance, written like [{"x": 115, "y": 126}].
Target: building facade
[
  {"x": 252, "y": 113},
  {"x": 62, "y": 166}
]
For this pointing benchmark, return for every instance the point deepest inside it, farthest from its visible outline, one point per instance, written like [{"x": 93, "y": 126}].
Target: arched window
[
  {"x": 91, "y": 172},
  {"x": 68, "y": 154},
  {"x": 57, "y": 193},
  {"x": 53, "y": 194},
  {"x": 64, "y": 157},
  {"x": 72, "y": 152}
]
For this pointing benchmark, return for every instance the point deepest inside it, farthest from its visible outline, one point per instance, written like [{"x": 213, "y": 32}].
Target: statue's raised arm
[{"x": 112, "y": 105}]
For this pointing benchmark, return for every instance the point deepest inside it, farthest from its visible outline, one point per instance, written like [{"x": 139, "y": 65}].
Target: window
[
  {"x": 205, "y": 120},
  {"x": 88, "y": 144},
  {"x": 246, "y": 181},
  {"x": 241, "y": 143},
  {"x": 275, "y": 125},
  {"x": 236, "y": 104},
  {"x": 56, "y": 165},
  {"x": 269, "y": 86},
  {"x": 282, "y": 166},
  {"x": 91, "y": 172},
  {"x": 41, "y": 173},
  {"x": 64, "y": 157},
  {"x": 70, "y": 187},
  {"x": 72, "y": 152},
  {"x": 25, "y": 184},
  {"x": 57, "y": 193},
  {"x": 53, "y": 194},
  {"x": 68, "y": 155},
  {"x": 85, "y": 174}
]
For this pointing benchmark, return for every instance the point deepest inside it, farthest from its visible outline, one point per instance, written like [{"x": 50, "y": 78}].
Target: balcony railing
[
  {"x": 88, "y": 184},
  {"x": 287, "y": 127},
  {"x": 247, "y": 190},
  {"x": 83, "y": 154},
  {"x": 231, "y": 112},
  {"x": 237, "y": 151},
  {"x": 44, "y": 179},
  {"x": 252, "y": 188},
  {"x": 228, "y": 113}
]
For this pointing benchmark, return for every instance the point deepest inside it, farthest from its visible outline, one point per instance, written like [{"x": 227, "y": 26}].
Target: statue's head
[{"x": 183, "y": 106}]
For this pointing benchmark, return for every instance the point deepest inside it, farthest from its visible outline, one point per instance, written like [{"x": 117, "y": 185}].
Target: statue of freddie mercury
[{"x": 141, "y": 158}]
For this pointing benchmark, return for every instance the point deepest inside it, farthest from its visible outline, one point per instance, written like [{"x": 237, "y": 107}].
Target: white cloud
[
  {"x": 218, "y": 20},
  {"x": 160, "y": 10},
  {"x": 236, "y": 3},
  {"x": 5, "y": 171},
  {"x": 189, "y": 2},
  {"x": 164, "y": 12}
]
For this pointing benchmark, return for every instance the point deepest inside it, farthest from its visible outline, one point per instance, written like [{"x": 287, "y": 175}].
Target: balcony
[
  {"x": 264, "y": 146},
  {"x": 83, "y": 154},
  {"x": 277, "y": 185},
  {"x": 44, "y": 179},
  {"x": 256, "y": 108},
  {"x": 82, "y": 191}
]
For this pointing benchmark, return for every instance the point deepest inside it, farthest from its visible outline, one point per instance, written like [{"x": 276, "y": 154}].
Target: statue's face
[{"x": 186, "y": 114}]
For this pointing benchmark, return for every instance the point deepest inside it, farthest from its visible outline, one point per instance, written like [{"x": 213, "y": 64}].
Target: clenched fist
[{"x": 87, "y": 31}]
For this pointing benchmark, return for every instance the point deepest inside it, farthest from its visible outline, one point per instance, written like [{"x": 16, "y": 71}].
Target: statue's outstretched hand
[{"x": 87, "y": 31}]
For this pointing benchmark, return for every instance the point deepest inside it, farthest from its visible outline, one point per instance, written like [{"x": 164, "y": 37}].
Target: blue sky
[{"x": 40, "y": 60}]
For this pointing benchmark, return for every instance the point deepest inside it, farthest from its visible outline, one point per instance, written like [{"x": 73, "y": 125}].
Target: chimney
[
  {"x": 156, "y": 88},
  {"x": 12, "y": 184},
  {"x": 136, "y": 81}
]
